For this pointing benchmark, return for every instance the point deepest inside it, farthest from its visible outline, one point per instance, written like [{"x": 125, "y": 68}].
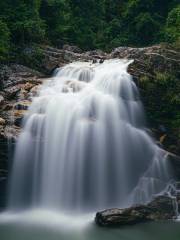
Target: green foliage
[
  {"x": 22, "y": 18},
  {"x": 4, "y": 40},
  {"x": 25, "y": 23},
  {"x": 172, "y": 29},
  {"x": 89, "y": 24},
  {"x": 162, "y": 99},
  {"x": 56, "y": 15},
  {"x": 145, "y": 28}
]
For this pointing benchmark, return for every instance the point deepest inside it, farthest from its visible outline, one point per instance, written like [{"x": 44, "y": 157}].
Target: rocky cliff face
[{"x": 18, "y": 84}]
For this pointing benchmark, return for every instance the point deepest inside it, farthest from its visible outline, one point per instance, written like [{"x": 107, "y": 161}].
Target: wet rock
[
  {"x": 72, "y": 48},
  {"x": 28, "y": 86},
  {"x": 51, "y": 58},
  {"x": 12, "y": 132},
  {"x": 22, "y": 105},
  {"x": 149, "y": 60},
  {"x": 17, "y": 82},
  {"x": 7, "y": 106},
  {"x": 34, "y": 91},
  {"x": 18, "y": 116},
  {"x": 114, "y": 217},
  {"x": 94, "y": 61},
  {"x": 14, "y": 74},
  {"x": 98, "y": 54},
  {"x": 2, "y": 121},
  {"x": 161, "y": 208},
  {"x": 59, "y": 57},
  {"x": 11, "y": 92},
  {"x": 71, "y": 56},
  {"x": 101, "y": 61}
]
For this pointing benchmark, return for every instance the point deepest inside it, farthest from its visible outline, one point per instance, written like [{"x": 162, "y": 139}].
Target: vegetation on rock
[{"x": 161, "y": 96}]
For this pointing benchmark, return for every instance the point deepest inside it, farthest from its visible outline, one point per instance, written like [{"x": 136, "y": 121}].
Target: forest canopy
[{"x": 89, "y": 24}]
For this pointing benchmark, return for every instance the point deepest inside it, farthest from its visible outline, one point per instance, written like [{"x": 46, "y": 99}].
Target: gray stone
[{"x": 161, "y": 208}]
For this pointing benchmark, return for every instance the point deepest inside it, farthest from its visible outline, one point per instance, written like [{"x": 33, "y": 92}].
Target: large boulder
[
  {"x": 14, "y": 74},
  {"x": 149, "y": 60},
  {"x": 72, "y": 48},
  {"x": 161, "y": 208},
  {"x": 54, "y": 57}
]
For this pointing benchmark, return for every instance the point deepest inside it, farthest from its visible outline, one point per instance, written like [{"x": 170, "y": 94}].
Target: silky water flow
[{"x": 84, "y": 145}]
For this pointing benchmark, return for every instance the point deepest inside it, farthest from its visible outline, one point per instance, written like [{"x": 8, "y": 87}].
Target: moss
[{"x": 161, "y": 95}]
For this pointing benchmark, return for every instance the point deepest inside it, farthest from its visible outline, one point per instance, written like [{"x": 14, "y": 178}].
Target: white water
[{"x": 84, "y": 146}]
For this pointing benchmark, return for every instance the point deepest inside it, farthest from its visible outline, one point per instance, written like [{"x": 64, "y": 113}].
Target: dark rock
[
  {"x": 101, "y": 61},
  {"x": 174, "y": 161},
  {"x": 162, "y": 129},
  {"x": 72, "y": 48},
  {"x": 71, "y": 57},
  {"x": 18, "y": 85},
  {"x": 2, "y": 121},
  {"x": 22, "y": 105},
  {"x": 19, "y": 115},
  {"x": 54, "y": 57},
  {"x": 149, "y": 61},
  {"x": 115, "y": 217},
  {"x": 4, "y": 154},
  {"x": 161, "y": 208},
  {"x": 96, "y": 54},
  {"x": 11, "y": 92},
  {"x": 14, "y": 74}
]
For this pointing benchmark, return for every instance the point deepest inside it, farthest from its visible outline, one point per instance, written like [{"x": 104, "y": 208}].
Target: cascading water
[{"x": 84, "y": 146}]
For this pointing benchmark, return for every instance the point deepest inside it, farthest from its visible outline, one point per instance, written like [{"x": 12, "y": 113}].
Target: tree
[
  {"x": 172, "y": 28},
  {"x": 87, "y": 21},
  {"x": 56, "y": 15},
  {"x": 4, "y": 40},
  {"x": 145, "y": 29},
  {"x": 90, "y": 24},
  {"x": 23, "y": 20},
  {"x": 27, "y": 25}
]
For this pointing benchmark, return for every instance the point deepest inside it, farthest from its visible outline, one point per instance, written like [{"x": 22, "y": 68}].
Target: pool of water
[{"x": 38, "y": 225}]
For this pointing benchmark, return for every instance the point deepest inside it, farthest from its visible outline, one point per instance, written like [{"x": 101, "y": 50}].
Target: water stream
[
  {"x": 84, "y": 148},
  {"x": 84, "y": 145}
]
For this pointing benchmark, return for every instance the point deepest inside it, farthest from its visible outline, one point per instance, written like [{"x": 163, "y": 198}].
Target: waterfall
[{"x": 84, "y": 144}]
